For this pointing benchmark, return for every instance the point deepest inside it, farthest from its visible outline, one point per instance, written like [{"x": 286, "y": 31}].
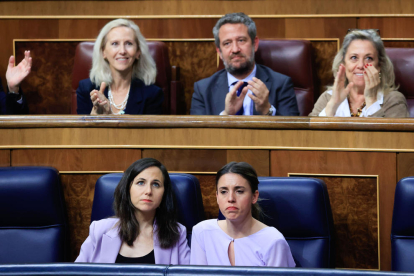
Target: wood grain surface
[
  {"x": 77, "y": 159},
  {"x": 78, "y": 190},
  {"x": 4, "y": 158},
  {"x": 204, "y": 7}
]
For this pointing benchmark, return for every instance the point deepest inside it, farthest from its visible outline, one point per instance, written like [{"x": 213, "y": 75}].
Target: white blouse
[{"x": 343, "y": 108}]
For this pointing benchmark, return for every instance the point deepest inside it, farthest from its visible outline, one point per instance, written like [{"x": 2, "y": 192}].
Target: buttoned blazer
[
  {"x": 210, "y": 93},
  {"x": 143, "y": 99},
  {"x": 104, "y": 243}
]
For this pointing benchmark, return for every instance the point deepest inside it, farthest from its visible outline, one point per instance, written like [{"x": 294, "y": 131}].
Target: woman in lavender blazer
[
  {"x": 145, "y": 229},
  {"x": 241, "y": 239}
]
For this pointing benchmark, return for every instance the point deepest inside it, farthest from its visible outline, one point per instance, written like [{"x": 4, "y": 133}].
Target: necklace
[
  {"x": 359, "y": 110},
  {"x": 120, "y": 106}
]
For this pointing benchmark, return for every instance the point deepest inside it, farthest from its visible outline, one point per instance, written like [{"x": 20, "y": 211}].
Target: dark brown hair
[
  {"x": 165, "y": 215},
  {"x": 246, "y": 171}
]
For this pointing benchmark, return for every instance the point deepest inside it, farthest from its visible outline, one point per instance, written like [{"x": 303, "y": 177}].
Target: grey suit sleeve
[
  {"x": 197, "y": 102},
  {"x": 286, "y": 104}
]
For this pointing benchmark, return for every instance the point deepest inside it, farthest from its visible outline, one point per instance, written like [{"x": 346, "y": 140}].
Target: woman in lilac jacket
[
  {"x": 241, "y": 239},
  {"x": 145, "y": 229}
]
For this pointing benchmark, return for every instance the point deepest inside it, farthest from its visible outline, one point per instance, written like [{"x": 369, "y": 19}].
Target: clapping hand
[
  {"x": 260, "y": 95},
  {"x": 100, "y": 103},
  {"x": 339, "y": 92},
  {"x": 372, "y": 83},
  {"x": 16, "y": 74},
  {"x": 234, "y": 103}
]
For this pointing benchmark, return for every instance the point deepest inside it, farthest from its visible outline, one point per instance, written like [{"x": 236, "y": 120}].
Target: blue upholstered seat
[
  {"x": 402, "y": 232},
  {"x": 186, "y": 188},
  {"x": 33, "y": 226},
  {"x": 300, "y": 209}
]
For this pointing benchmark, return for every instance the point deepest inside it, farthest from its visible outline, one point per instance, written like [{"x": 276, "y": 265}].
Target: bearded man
[{"x": 243, "y": 87}]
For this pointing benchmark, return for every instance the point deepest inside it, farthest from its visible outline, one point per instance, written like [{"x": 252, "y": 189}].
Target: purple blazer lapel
[
  {"x": 111, "y": 243},
  {"x": 161, "y": 255}
]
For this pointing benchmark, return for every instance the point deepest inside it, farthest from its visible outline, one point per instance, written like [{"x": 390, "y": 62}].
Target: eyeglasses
[{"x": 375, "y": 30}]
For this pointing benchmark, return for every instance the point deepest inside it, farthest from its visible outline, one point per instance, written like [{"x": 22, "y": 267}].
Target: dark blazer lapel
[
  {"x": 220, "y": 90},
  {"x": 111, "y": 243},
  {"x": 135, "y": 97},
  {"x": 261, "y": 75}
]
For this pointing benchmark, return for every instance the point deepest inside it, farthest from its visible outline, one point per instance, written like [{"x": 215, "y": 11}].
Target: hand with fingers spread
[
  {"x": 16, "y": 74},
  {"x": 372, "y": 84},
  {"x": 260, "y": 96},
  {"x": 234, "y": 103},
  {"x": 339, "y": 92},
  {"x": 100, "y": 103}
]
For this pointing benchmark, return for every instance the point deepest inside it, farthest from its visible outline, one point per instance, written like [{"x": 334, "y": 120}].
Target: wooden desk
[{"x": 360, "y": 159}]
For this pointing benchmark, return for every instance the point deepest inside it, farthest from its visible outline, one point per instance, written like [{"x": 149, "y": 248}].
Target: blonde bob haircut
[
  {"x": 143, "y": 68},
  {"x": 386, "y": 68}
]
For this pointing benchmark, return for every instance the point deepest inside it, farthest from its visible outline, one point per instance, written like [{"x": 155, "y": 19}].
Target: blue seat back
[
  {"x": 33, "y": 227},
  {"x": 186, "y": 189},
  {"x": 402, "y": 232},
  {"x": 300, "y": 209}
]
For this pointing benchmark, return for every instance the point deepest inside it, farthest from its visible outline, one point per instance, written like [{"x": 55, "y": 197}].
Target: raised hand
[
  {"x": 339, "y": 92},
  {"x": 372, "y": 84},
  {"x": 100, "y": 103},
  {"x": 16, "y": 74},
  {"x": 234, "y": 103},
  {"x": 260, "y": 95}
]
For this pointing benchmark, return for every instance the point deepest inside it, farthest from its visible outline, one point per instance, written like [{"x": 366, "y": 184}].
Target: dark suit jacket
[
  {"x": 142, "y": 99},
  {"x": 9, "y": 104},
  {"x": 210, "y": 93}
]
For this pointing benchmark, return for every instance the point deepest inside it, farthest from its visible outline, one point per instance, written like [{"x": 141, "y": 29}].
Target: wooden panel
[
  {"x": 208, "y": 192},
  {"x": 78, "y": 191},
  {"x": 319, "y": 27},
  {"x": 323, "y": 54},
  {"x": 4, "y": 158},
  {"x": 259, "y": 159},
  {"x": 405, "y": 165},
  {"x": 210, "y": 137},
  {"x": 355, "y": 214},
  {"x": 188, "y": 160},
  {"x": 204, "y": 7},
  {"x": 355, "y": 163},
  {"x": 389, "y": 27},
  {"x": 48, "y": 87},
  {"x": 77, "y": 159},
  {"x": 29, "y": 29},
  {"x": 277, "y": 29},
  {"x": 196, "y": 60},
  {"x": 167, "y": 28}
]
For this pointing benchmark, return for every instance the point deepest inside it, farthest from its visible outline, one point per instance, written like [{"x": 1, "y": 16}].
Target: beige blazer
[{"x": 393, "y": 106}]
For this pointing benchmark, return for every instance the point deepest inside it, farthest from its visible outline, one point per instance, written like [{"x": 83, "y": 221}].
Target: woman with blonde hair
[
  {"x": 364, "y": 81},
  {"x": 122, "y": 75}
]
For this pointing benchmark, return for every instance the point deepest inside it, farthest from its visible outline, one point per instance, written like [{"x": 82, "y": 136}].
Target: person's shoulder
[
  {"x": 212, "y": 78},
  {"x": 181, "y": 228},
  {"x": 395, "y": 96},
  {"x": 151, "y": 89},
  {"x": 268, "y": 236},
  {"x": 86, "y": 85},
  {"x": 103, "y": 225},
  {"x": 206, "y": 225}
]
